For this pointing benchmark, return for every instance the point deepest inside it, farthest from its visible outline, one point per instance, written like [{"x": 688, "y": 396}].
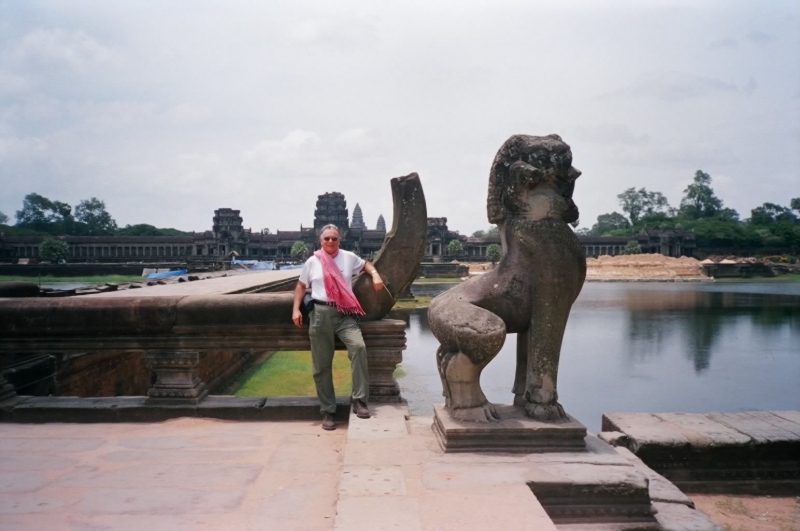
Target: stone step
[{"x": 745, "y": 452}]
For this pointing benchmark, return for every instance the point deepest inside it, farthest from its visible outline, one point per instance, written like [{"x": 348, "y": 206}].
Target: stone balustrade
[{"x": 173, "y": 334}]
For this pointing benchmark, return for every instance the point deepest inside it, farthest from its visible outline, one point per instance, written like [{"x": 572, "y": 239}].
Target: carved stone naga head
[{"x": 532, "y": 177}]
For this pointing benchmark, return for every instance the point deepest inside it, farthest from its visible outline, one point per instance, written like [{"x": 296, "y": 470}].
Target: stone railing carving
[{"x": 172, "y": 334}]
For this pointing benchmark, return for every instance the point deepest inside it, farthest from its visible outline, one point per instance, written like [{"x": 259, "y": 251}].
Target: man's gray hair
[{"x": 329, "y": 226}]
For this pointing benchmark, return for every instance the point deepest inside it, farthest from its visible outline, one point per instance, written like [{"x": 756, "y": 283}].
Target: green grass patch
[
  {"x": 49, "y": 279},
  {"x": 438, "y": 280},
  {"x": 289, "y": 373},
  {"x": 419, "y": 302},
  {"x": 781, "y": 278}
]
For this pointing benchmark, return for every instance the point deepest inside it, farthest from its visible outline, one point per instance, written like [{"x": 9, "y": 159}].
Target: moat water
[{"x": 647, "y": 347}]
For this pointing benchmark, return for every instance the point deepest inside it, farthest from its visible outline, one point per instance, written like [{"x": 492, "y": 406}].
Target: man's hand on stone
[{"x": 377, "y": 281}]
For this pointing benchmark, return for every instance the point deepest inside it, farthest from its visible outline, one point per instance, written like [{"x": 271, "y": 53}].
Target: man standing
[{"x": 329, "y": 274}]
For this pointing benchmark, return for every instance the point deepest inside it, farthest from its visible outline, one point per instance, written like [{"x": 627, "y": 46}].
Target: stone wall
[{"x": 120, "y": 374}]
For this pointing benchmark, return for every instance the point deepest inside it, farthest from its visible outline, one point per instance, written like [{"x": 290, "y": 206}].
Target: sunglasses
[{"x": 331, "y": 239}]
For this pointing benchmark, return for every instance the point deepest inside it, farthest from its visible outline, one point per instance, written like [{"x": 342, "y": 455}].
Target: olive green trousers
[{"x": 325, "y": 324}]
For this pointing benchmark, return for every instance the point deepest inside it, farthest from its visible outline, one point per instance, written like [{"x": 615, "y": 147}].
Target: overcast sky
[{"x": 168, "y": 110}]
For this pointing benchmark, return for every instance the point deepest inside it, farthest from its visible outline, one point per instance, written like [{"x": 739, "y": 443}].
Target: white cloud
[
  {"x": 56, "y": 47},
  {"x": 674, "y": 86}
]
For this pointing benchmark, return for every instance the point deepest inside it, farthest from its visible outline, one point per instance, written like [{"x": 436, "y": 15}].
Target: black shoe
[
  {"x": 360, "y": 408},
  {"x": 327, "y": 422}
]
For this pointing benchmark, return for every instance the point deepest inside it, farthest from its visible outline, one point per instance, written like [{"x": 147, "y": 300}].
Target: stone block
[
  {"x": 746, "y": 452},
  {"x": 228, "y": 407},
  {"x": 378, "y": 513},
  {"x": 679, "y": 517},
  {"x": 581, "y": 493},
  {"x": 515, "y": 432},
  {"x": 372, "y": 481},
  {"x": 301, "y": 408}
]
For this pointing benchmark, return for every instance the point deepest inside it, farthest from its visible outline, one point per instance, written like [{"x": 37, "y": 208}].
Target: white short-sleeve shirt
[{"x": 349, "y": 264}]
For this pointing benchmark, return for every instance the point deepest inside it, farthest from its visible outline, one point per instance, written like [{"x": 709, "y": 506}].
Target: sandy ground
[{"x": 751, "y": 513}]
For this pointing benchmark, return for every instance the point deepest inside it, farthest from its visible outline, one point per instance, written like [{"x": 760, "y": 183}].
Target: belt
[{"x": 315, "y": 301}]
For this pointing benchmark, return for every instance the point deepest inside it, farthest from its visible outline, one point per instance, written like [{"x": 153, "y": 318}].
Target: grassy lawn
[
  {"x": 289, "y": 374},
  {"x": 781, "y": 278},
  {"x": 420, "y": 302},
  {"x": 48, "y": 279},
  {"x": 438, "y": 280}
]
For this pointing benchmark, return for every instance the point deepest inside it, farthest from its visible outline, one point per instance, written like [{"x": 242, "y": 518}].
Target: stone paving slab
[
  {"x": 219, "y": 285},
  {"x": 744, "y": 452},
  {"x": 184, "y": 474}
]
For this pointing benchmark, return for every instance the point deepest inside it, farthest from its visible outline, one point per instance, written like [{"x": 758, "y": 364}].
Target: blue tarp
[
  {"x": 294, "y": 266},
  {"x": 165, "y": 274},
  {"x": 256, "y": 265}
]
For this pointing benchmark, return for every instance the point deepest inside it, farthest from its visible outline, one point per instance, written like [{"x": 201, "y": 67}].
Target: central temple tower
[{"x": 331, "y": 208}]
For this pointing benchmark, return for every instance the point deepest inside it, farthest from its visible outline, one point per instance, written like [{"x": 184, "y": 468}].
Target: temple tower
[
  {"x": 358, "y": 219},
  {"x": 331, "y": 208},
  {"x": 227, "y": 224},
  {"x": 381, "y": 224}
]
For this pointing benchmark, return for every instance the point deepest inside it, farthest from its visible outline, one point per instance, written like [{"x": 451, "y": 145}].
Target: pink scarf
[{"x": 338, "y": 290}]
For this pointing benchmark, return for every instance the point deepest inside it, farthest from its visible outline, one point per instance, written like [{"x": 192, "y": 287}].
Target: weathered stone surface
[
  {"x": 399, "y": 259},
  {"x": 703, "y": 432},
  {"x": 18, "y": 289},
  {"x": 591, "y": 493},
  {"x": 378, "y": 514},
  {"x": 136, "y": 409},
  {"x": 513, "y": 432},
  {"x": 679, "y": 517},
  {"x": 756, "y": 426},
  {"x": 648, "y": 433},
  {"x": 530, "y": 292},
  {"x": 659, "y": 487},
  {"x": 372, "y": 481},
  {"x": 748, "y": 452}
]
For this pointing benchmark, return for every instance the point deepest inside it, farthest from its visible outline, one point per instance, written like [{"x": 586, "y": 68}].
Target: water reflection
[
  {"x": 644, "y": 347},
  {"x": 699, "y": 317}
]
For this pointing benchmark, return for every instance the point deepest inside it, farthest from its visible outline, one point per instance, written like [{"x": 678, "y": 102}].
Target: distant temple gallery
[{"x": 228, "y": 236}]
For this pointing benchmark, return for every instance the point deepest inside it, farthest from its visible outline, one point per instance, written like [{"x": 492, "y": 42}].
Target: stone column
[
  {"x": 382, "y": 385},
  {"x": 177, "y": 382},
  {"x": 385, "y": 341}
]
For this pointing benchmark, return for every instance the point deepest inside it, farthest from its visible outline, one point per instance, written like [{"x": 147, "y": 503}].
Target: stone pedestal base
[
  {"x": 177, "y": 382},
  {"x": 515, "y": 432}
]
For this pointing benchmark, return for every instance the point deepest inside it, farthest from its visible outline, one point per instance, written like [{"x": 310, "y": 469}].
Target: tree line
[
  {"x": 40, "y": 216},
  {"x": 702, "y": 212}
]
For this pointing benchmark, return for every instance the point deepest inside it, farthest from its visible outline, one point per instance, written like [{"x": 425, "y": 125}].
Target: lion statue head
[{"x": 527, "y": 168}]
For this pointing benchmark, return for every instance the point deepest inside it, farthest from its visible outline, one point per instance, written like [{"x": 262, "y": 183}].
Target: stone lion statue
[{"x": 529, "y": 293}]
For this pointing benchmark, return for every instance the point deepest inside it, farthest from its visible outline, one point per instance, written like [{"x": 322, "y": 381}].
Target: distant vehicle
[{"x": 61, "y": 261}]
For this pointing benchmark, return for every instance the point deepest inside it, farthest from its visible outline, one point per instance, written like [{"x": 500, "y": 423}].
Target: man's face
[{"x": 329, "y": 239}]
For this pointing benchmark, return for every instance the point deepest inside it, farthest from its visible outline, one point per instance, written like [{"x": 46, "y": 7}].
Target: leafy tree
[
  {"x": 608, "y": 222},
  {"x": 632, "y": 247},
  {"x": 142, "y": 229},
  {"x": 92, "y": 213},
  {"x": 699, "y": 200},
  {"x": 41, "y": 214},
  {"x": 493, "y": 232},
  {"x": 479, "y": 234},
  {"x": 494, "y": 252},
  {"x": 3, "y": 219},
  {"x": 299, "y": 250},
  {"x": 454, "y": 248},
  {"x": 794, "y": 204},
  {"x": 770, "y": 213},
  {"x": 53, "y": 250},
  {"x": 637, "y": 203}
]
